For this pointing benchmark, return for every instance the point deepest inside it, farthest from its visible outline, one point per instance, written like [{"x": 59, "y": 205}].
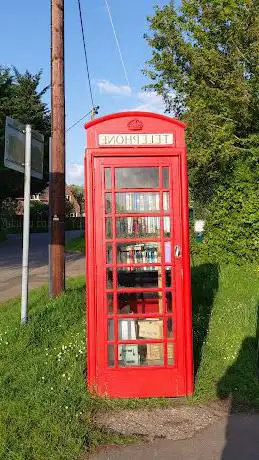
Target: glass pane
[
  {"x": 151, "y": 354},
  {"x": 108, "y": 203},
  {"x": 109, "y": 254},
  {"x": 138, "y": 253},
  {"x": 170, "y": 354},
  {"x": 108, "y": 177},
  {"x": 128, "y": 355},
  {"x": 137, "y": 178},
  {"x": 165, "y": 177},
  {"x": 170, "y": 327},
  {"x": 138, "y": 227},
  {"x": 166, "y": 204},
  {"x": 169, "y": 302},
  {"x": 108, "y": 227},
  {"x": 110, "y": 329},
  {"x": 140, "y": 302},
  {"x": 168, "y": 278},
  {"x": 130, "y": 202},
  {"x": 167, "y": 227},
  {"x": 168, "y": 252},
  {"x": 146, "y": 328},
  {"x": 109, "y": 304},
  {"x": 146, "y": 277},
  {"x": 110, "y": 356},
  {"x": 109, "y": 278}
]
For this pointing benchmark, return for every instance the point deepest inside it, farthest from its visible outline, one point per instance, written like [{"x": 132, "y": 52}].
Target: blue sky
[{"x": 25, "y": 42}]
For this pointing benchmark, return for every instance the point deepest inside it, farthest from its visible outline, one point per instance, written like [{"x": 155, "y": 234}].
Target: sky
[{"x": 25, "y": 43}]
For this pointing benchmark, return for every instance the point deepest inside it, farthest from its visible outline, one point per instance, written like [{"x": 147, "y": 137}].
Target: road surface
[{"x": 11, "y": 263}]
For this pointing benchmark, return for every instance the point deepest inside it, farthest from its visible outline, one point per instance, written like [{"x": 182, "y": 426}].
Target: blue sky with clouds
[{"x": 25, "y": 43}]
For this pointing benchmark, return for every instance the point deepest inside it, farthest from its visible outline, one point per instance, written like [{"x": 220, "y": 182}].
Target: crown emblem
[{"x": 135, "y": 125}]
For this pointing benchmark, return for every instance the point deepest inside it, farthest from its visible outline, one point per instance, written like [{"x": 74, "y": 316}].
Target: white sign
[
  {"x": 199, "y": 226},
  {"x": 15, "y": 148},
  {"x": 127, "y": 140}
]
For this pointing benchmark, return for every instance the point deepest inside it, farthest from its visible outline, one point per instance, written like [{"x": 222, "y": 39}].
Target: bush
[
  {"x": 2, "y": 235},
  {"x": 232, "y": 229}
]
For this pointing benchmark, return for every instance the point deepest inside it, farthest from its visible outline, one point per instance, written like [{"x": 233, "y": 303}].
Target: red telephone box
[{"x": 139, "y": 336}]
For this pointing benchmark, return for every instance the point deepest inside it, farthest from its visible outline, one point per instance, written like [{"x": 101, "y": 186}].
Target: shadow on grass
[
  {"x": 205, "y": 282},
  {"x": 240, "y": 386}
]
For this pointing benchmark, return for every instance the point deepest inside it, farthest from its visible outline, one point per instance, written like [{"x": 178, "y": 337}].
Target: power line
[
  {"x": 94, "y": 111},
  {"x": 117, "y": 42},
  {"x": 86, "y": 59}
]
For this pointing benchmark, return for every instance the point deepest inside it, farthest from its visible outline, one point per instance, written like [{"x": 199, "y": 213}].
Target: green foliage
[
  {"x": 78, "y": 192},
  {"x": 2, "y": 235},
  {"x": 39, "y": 210},
  {"x": 69, "y": 208},
  {"x": 20, "y": 98},
  {"x": 76, "y": 245},
  {"x": 232, "y": 231},
  {"x": 205, "y": 65}
]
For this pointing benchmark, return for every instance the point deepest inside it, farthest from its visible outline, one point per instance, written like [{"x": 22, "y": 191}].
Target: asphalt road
[{"x": 11, "y": 263}]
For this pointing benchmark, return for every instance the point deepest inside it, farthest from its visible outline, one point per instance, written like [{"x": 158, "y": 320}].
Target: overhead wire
[
  {"x": 94, "y": 111},
  {"x": 117, "y": 43},
  {"x": 85, "y": 53}
]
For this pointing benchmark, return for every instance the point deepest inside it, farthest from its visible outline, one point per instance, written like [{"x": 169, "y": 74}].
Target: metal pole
[
  {"x": 50, "y": 217},
  {"x": 57, "y": 195},
  {"x": 26, "y": 226}
]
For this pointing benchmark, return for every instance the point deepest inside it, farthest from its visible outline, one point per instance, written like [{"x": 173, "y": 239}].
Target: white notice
[{"x": 127, "y": 140}]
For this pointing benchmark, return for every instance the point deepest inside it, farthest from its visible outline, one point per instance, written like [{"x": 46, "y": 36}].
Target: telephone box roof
[{"x": 159, "y": 116}]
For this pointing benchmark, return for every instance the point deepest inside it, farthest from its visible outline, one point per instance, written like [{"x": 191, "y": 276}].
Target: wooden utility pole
[{"x": 57, "y": 181}]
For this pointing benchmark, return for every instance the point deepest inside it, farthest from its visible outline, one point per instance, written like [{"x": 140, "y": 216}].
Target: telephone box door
[{"x": 139, "y": 293}]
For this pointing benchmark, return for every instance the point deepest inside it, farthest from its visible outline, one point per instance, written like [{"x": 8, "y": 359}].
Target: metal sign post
[
  {"x": 24, "y": 152},
  {"x": 26, "y": 225}
]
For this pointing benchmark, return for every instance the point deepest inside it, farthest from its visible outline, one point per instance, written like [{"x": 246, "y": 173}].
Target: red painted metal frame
[{"x": 140, "y": 381}]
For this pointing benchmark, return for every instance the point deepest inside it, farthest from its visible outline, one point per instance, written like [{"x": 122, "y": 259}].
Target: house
[{"x": 43, "y": 197}]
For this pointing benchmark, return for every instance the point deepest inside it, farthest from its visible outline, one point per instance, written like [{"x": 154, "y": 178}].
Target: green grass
[
  {"x": 46, "y": 411},
  {"x": 76, "y": 245},
  {"x": 226, "y": 326}
]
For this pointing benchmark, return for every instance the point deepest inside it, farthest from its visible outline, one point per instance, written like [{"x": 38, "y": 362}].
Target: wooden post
[{"x": 57, "y": 182}]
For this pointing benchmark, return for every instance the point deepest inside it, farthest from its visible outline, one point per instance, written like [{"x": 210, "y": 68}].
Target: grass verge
[
  {"x": 226, "y": 327},
  {"x": 46, "y": 411},
  {"x": 76, "y": 245},
  {"x": 45, "y": 408},
  {"x": 44, "y": 405}
]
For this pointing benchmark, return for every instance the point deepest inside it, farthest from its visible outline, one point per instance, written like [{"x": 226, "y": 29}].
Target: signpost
[
  {"x": 24, "y": 151},
  {"x": 15, "y": 148}
]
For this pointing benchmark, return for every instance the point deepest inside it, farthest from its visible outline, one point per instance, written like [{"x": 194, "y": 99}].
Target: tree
[
  {"x": 205, "y": 64},
  {"x": 78, "y": 192},
  {"x": 38, "y": 209},
  {"x": 21, "y": 99}
]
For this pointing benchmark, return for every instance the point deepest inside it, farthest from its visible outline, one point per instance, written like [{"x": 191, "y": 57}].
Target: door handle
[{"x": 177, "y": 251}]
